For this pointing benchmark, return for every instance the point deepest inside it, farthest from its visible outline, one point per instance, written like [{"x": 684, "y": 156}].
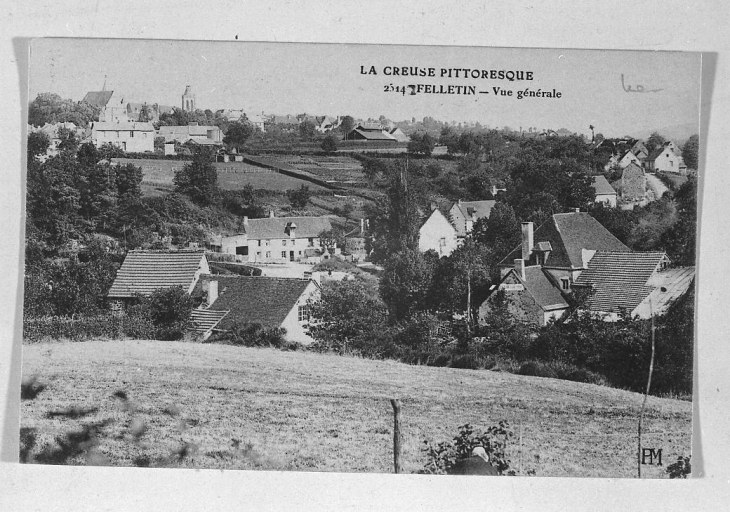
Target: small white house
[
  {"x": 437, "y": 234},
  {"x": 665, "y": 159}
]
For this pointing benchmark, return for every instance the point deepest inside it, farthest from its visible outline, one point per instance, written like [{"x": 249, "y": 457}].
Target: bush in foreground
[{"x": 443, "y": 456}]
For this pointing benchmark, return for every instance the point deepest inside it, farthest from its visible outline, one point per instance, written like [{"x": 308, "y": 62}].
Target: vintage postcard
[{"x": 360, "y": 258}]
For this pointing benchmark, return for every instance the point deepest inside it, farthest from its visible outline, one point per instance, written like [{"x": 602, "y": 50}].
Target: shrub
[
  {"x": 538, "y": 369},
  {"x": 251, "y": 334},
  {"x": 442, "y": 457},
  {"x": 680, "y": 469},
  {"x": 169, "y": 311}
]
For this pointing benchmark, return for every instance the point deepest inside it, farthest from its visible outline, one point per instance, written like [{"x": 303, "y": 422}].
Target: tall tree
[
  {"x": 406, "y": 281},
  {"x": 198, "y": 180},
  {"x": 654, "y": 142},
  {"x": 347, "y": 124},
  {"x": 238, "y": 133},
  {"x": 690, "y": 152}
]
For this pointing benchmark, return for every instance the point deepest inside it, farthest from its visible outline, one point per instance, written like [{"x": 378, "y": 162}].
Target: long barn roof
[{"x": 145, "y": 271}]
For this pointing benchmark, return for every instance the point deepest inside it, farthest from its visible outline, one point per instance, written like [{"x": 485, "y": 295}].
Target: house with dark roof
[
  {"x": 437, "y": 234},
  {"x": 635, "y": 284},
  {"x": 604, "y": 191},
  {"x": 563, "y": 246},
  {"x": 112, "y": 105},
  {"x": 275, "y": 239},
  {"x": 143, "y": 272},
  {"x": 269, "y": 301},
  {"x": 464, "y": 214},
  {"x": 529, "y": 294},
  {"x": 370, "y": 132}
]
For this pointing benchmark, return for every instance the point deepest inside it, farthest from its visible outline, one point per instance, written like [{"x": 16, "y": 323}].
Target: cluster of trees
[
  {"x": 419, "y": 292},
  {"x": 51, "y": 108},
  {"x": 83, "y": 213}
]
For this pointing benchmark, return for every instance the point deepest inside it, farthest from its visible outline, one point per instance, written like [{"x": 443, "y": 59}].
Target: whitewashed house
[{"x": 437, "y": 234}]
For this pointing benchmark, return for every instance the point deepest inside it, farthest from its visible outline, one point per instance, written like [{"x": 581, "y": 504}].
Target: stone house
[
  {"x": 529, "y": 294},
  {"x": 275, "y": 239},
  {"x": 126, "y": 135},
  {"x": 633, "y": 183}
]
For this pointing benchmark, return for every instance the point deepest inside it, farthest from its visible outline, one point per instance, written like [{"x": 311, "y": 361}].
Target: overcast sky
[{"x": 326, "y": 79}]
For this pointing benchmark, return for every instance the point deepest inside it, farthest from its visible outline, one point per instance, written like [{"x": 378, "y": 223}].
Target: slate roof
[
  {"x": 263, "y": 300},
  {"x": 569, "y": 234},
  {"x": 479, "y": 209},
  {"x": 145, "y": 271},
  {"x": 371, "y": 134},
  {"x": 542, "y": 289},
  {"x": 620, "y": 280},
  {"x": 98, "y": 98},
  {"x": 602, "y": 186},
  {"x": 275, "y": 227}
]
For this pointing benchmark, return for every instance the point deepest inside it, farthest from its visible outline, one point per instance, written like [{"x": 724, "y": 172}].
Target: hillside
[{"x": 312, "y": 412}]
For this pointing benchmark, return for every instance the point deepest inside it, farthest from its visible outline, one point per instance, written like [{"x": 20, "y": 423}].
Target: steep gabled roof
[
  {"x": 569, "y": 234},
  {"x": 98, "y": 98},
  {"x": 620, "y": 280},
  {"x": 542, "y": 289},
  {"x": 145, "y": 271},
  {"x": 276, "y": 227},
  {"x": 602, "y": 186},
  {"x": 263, "y": 300},
  {"x": 478, "y": 209}
]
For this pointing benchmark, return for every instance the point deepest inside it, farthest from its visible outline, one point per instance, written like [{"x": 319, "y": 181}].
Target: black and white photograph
[{"x": 360, "y": 258}]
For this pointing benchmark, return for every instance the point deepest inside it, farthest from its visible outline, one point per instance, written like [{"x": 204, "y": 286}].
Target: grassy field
[
  {"x": 245, "y": 408},
  {"x": 157, "y": 175}
]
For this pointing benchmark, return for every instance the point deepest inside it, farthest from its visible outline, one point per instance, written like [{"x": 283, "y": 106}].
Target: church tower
[{"x": 188, "y": 100}]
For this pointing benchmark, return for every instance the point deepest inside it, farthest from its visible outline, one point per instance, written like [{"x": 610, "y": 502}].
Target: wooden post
[{"x": 398, "y": 467}]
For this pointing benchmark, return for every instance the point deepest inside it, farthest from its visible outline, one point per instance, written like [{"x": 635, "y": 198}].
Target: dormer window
[{"x": 565, "y": 283}]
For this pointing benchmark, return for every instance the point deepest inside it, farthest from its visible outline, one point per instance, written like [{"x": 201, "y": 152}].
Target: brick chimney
[
  {"x": 528, "y": 241},
  {"x": 520, "y": 268}
]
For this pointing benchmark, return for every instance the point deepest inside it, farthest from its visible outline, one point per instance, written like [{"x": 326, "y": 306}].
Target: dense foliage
[{"x": 495, "y": 440}]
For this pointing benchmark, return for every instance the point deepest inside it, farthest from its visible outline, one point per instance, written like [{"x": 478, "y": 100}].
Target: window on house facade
[
  {"x": 259, "y": 243},
  {"x": 442, "y": 242},
  {"x": 283, "y": 254},
  {"x": 131, "y": 134},
  {"x": 268, "y": 254},
  {"x": 303, "y": 314},
  {"x": 283, "y": 243},
  {"x": 565, "y": 283},
  {"x": 311, "y": 241}
]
